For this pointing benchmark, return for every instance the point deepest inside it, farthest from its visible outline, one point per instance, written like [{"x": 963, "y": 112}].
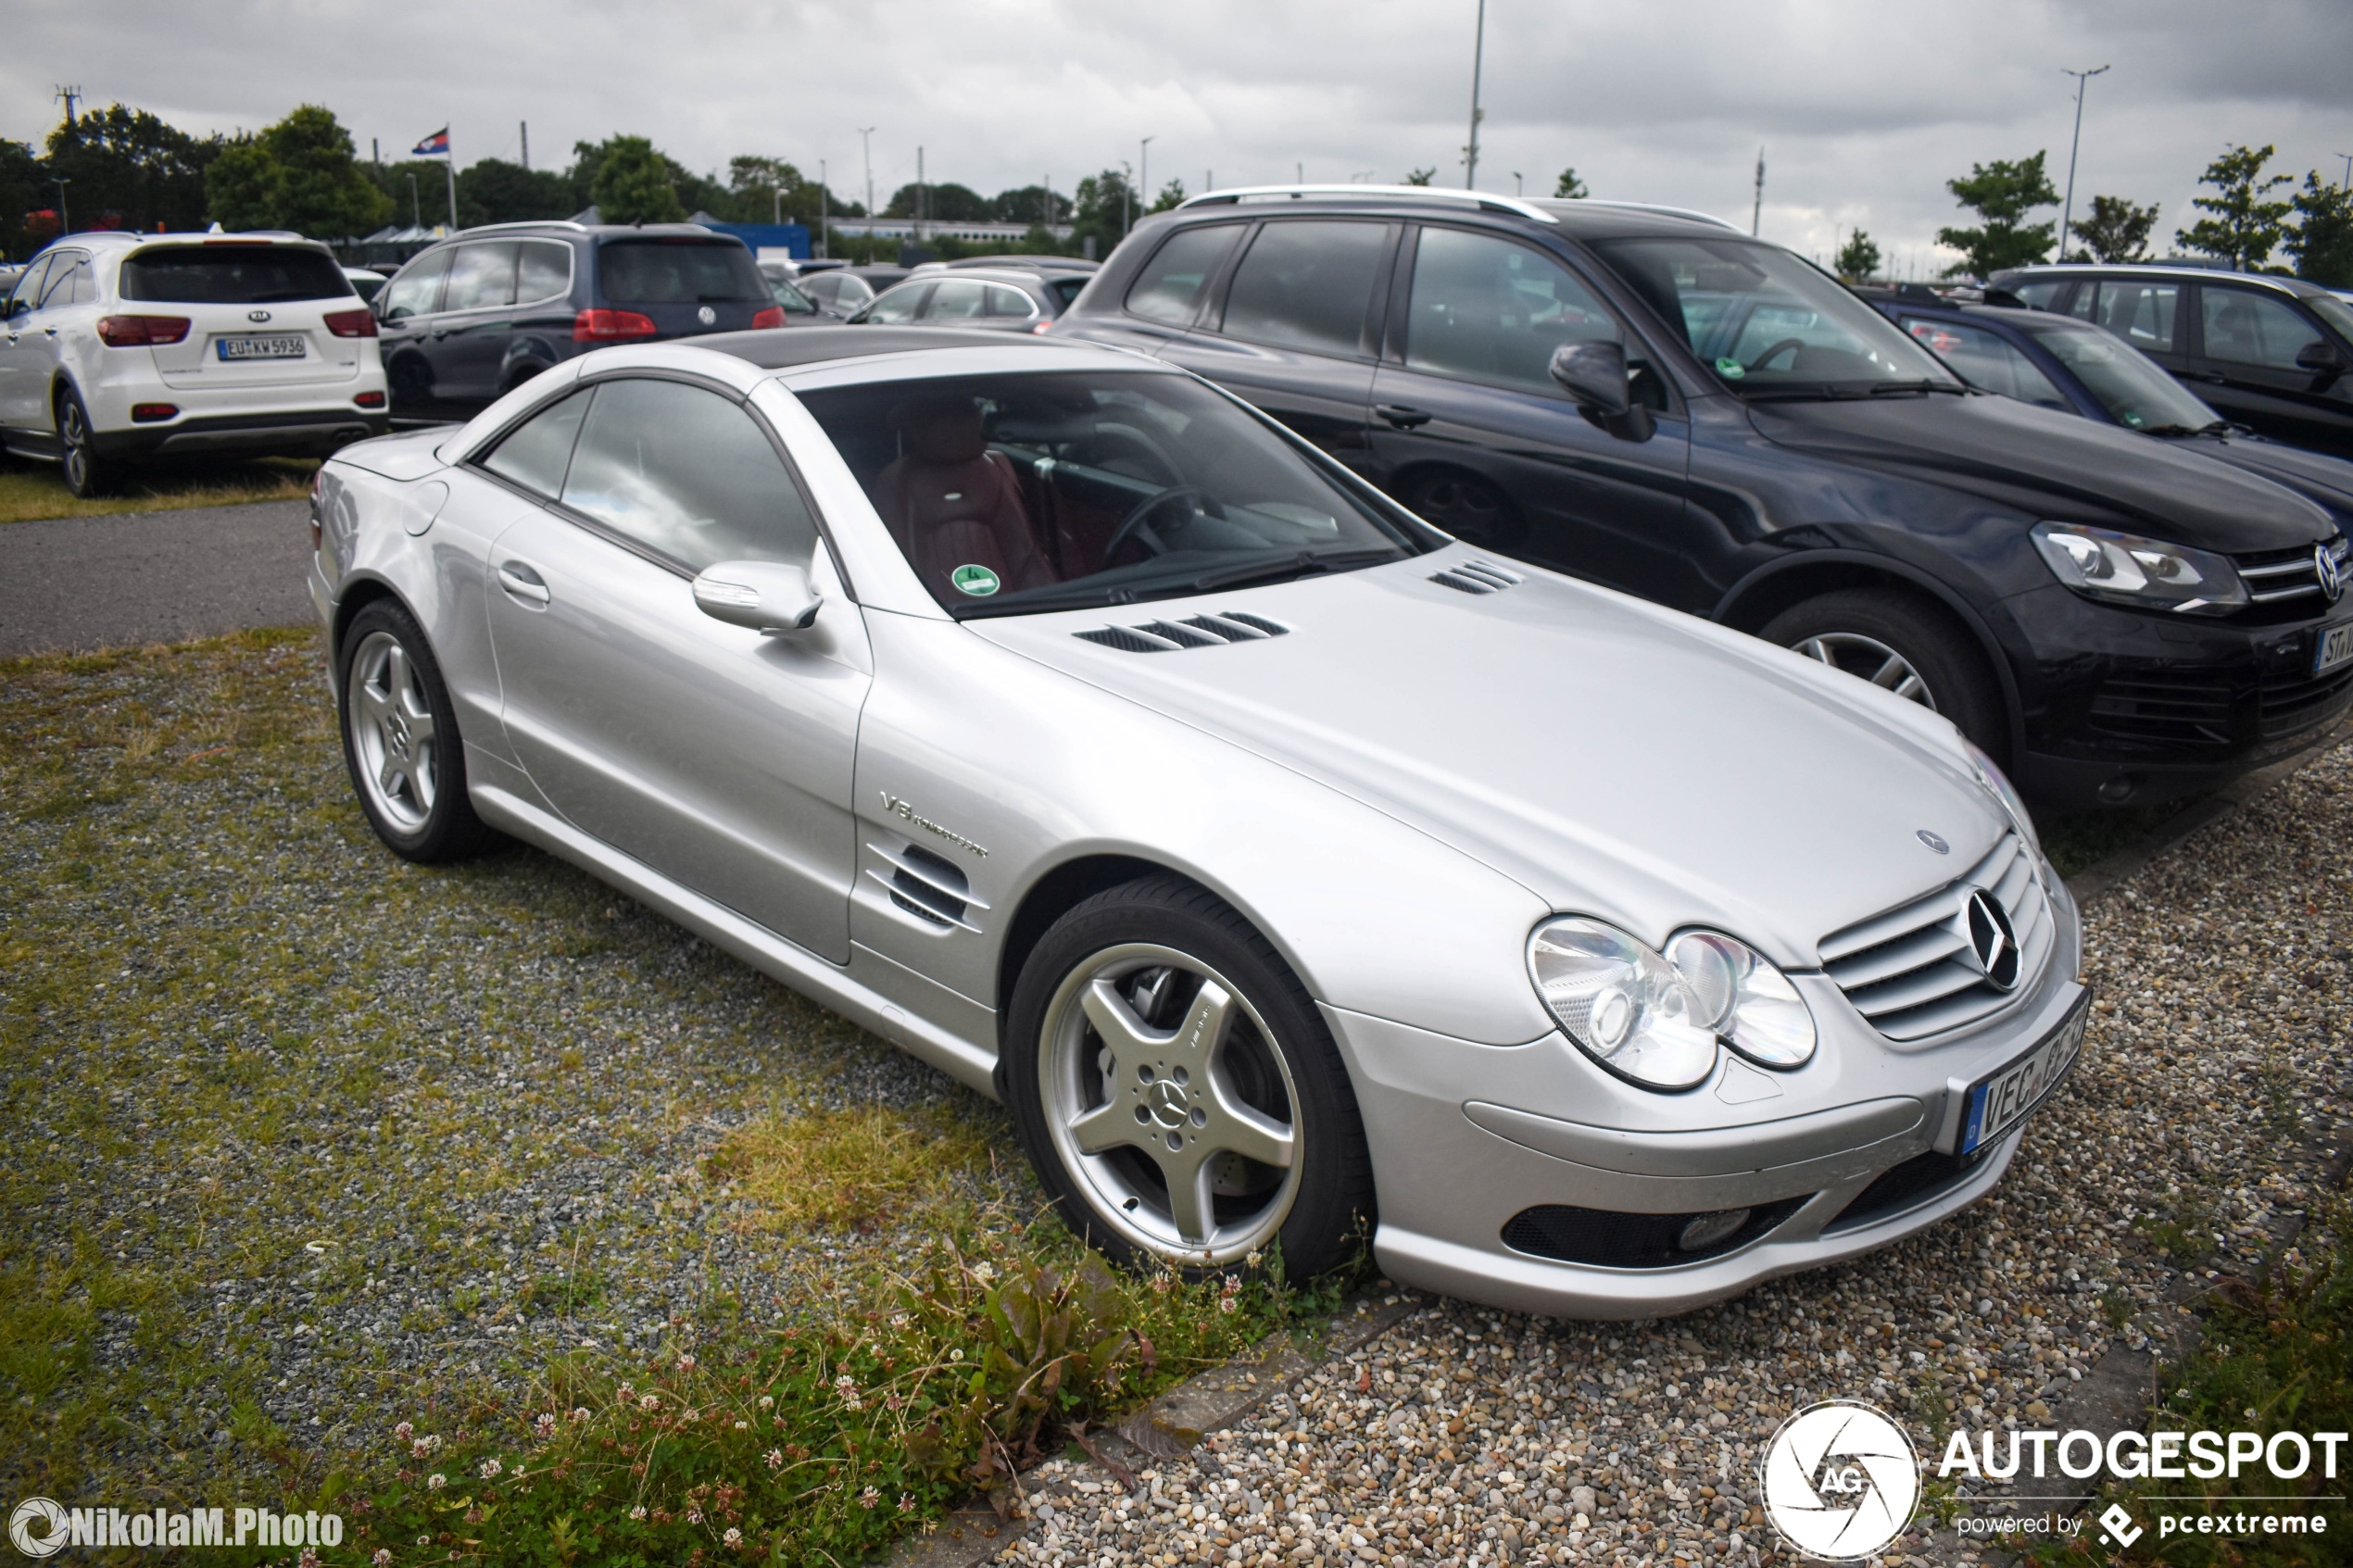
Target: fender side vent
[
  {"x": 1476, "y": 577},
  {"x": 931, "y": 887},
  {"x": 1193, "y": 632}
]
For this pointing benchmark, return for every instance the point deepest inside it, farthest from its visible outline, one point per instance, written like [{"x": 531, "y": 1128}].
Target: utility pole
[
  {"x": 2341, "y": 185},
  {"x": 865, "y": 140},
  {"x": 1479, "y": 58},
  {"x": 823, "y": 209},
  {"x": 1144, "y": 171},
  {"x": 921, "y": 204},
  {"x": 1757, "y": 210},
  {"x": 524, "y": 127},
  {"x": 376, "y": 154},
  {"x": 449, "y": 170},
  {"x": 1520, "y": 186},
  {"x": 2066, "y": 213},
  {"x": 63, "y": 226},
  {"x": 72, "y": 95},
  {"x": 1127, "y": 190},
  {"x": 416, "y": 205}
]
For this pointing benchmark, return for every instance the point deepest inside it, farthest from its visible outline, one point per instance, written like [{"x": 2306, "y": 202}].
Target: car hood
[
  {"x": 2315, "y": 476},
  {"x": 404, "y": 457},
  {"x": 2038, "y": 460},
  {"x": 1614, "y": 758}
]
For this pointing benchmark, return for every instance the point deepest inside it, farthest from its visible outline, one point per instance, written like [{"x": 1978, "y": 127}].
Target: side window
[
  {"x": 899, "y": 304},
  {"x": 853, "y": 292},
  {"x": 1003, "y": 302},
  {"x": 543, "y": 270},
  {"x": 480, "y": 277},
  {"x": 27, "y": 292},
  {"x": 1169, "y": 287},
  {"x": 1306, "y": 283},
  {"x": 2141, "y": 314},
  {"x": 2039, "y": 292},
  {"x": 1487, "y": 309},
  {"x": 2246, "y": 328},
  {"x": 689, "y": 473},
  {"x": 1985, "y": 359},
  {"x": 69, "y": 282},
  {"x": 536, "y": 452},
  {"x": 417, "y": 292},
  {"x": 955, "y": 299}
]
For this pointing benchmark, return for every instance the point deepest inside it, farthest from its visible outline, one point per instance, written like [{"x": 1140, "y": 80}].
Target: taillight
[
  {"x": 148, "y": 413},
  {"x": 370, "y": 399},
  {"x": 610, "y": 326},
  {"x": 138, "y": 332},
  {"x": 351, "y": 323},
  {"x": 772, "y": 317}
]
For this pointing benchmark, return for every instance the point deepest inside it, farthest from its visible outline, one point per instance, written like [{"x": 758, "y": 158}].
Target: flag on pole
[{"x": 434, "y": 145}]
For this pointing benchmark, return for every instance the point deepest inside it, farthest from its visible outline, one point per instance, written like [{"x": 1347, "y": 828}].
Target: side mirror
[
  {"x": 768, "y": 597},
  {"x": 2318, "y": 356},
  {"x": 1596, "y": 375}
]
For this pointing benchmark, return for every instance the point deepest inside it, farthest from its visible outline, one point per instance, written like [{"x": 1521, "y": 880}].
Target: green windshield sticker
[
  {"x": 1731, "y": 368},
  {"x": 978, "y": 581}
]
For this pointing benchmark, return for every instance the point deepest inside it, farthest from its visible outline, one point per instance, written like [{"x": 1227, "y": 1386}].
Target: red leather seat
[{"x": 951, "y": 502}]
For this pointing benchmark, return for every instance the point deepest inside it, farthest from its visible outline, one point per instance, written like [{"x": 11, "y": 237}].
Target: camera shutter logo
[
  {"x": 38, "y": 1527},
  {"x": 1841, "y": 1480}
]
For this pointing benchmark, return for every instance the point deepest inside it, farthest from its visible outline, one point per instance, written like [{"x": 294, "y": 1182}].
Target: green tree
[
  {"x": 945, "y": 203},
  {"x": 1421, "y": 176},
  {"x": 20, "y": 192},
  {"x": 1172, "y": 196},
  {"x": 1103, "y": 208},
  {"x": 2322, "y": 241},
  {"x": 428, "y": 202},
  {"x": 1029, "y": 204},
  {"x": 127, "y": 169},
  {"x": 299, "y": 174},
  {"x": 1569, "y": 187},
  {"x": 495, "y": 191},
  {"x": 2114, "y": 230},
  {"x": 2247, "y": 224},
  {"x": 762, "y": 187},
  {"x": 633, "y": 183},
  {"x": 1858, "y": 258},
  {"x": 2001, "y": 194}
]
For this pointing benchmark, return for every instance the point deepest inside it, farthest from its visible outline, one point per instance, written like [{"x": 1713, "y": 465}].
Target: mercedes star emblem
[
  {"x": 1991, "y": 938},
  {"x": 1935, "y": 842},
  {"x": 2332, "y": 576}
]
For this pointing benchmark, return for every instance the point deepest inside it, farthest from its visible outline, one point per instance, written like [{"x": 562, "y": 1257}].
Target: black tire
[
  {"x": 86, "y": 475},
  {"x": 1467, "y": 507},
  {"x": 410, "y": 778},
  {"x": 1842, "y": 628},
  {"x": 1276, "y": 1057}
]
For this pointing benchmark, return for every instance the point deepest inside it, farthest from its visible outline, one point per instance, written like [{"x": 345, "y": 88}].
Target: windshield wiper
[
  {"x": 1307, "y": 563},
  {"x": 2219, "y": 427},
  {"x": 1879, "y": 389}
]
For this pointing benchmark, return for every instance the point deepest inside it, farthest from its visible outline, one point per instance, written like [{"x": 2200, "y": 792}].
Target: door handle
[
  {"x": 1403, "y": 417},
  {"x": 522, "y": 583}
]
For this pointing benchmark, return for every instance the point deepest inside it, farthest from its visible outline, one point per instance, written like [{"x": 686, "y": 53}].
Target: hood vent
[
  {"x": 1193, "y": 632},
  {"x": 1478, "y": 577}
]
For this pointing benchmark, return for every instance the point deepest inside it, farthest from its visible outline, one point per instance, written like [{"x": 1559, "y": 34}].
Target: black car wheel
[
  {"x": 1467, "y": 507},
  {"x": 1177, "y": 1091},
  {"x": 86, "y": 473},
  {"x": 400, "y": 740},
  {"x": 1901, "y": 643}
]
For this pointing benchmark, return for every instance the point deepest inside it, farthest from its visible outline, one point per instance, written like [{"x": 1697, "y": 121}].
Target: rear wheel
[
  {"x": 400, "y": 740},
  {"x": 1902, "y": 643},
  {"x": 1467, "y": 507},
  {"x": 1177, "y": 1091},
  {"x": 86, "y": 473}
]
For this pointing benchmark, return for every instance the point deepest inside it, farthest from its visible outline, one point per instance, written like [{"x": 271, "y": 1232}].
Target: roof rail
[
  {"x": 1240, "y": 194},
  {"x": 526, "y": 223},
  {"x": 1654, "y": 206}
]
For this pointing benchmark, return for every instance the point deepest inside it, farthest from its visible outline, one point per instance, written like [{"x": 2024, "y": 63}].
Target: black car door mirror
[
  {"x": 1596, "y": 375},
  {"x": 2320, "y": 357}
]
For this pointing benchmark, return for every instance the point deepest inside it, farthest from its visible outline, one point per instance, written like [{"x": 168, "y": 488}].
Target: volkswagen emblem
[
  {"x": 256, "y": 315},
  {"x": 707, "y": 316},
  {"x": 1935, "y": 842},
  {"x": 2332, "y": 576},
  {"x": 1992, "y": 940}
]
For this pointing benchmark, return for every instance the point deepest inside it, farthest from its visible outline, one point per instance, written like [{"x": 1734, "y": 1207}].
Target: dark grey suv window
[
  {"x": 542, "y": 271},
  {"x": 1169, "y": 287},
  {"x": 482, "y": 276},
  {"x": 1306, "y": 283}
]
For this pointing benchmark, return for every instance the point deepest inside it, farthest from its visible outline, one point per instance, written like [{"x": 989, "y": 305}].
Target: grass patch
[
  {"x": 29, "y": 492},
  {"x": 849, "y": 1168}
]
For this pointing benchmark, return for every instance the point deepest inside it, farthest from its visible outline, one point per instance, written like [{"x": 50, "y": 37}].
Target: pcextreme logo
[{"x": 1841, "y": 1480}]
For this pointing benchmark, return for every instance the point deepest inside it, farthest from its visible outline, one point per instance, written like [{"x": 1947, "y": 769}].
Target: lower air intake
[{"x": 1604, "y": 1239}]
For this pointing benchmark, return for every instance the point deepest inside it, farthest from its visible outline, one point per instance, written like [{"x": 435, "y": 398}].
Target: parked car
[
  {"x": 488, "y": 309},
  {"x": 1654, "y": 401},
  {"x": 842, "y": 290},
  {"x": 1077, "y": 264},
  {"x": 799, "y": 310},
  {"x": 1012, "y": 299},
  {"x": 365, "y": 281},
  {"x": 1288, "y": 866},
  {"x": 2078, "y": 368},
  {"x": 120, "y": 347},
  {"x": 2272, "y": 354}
]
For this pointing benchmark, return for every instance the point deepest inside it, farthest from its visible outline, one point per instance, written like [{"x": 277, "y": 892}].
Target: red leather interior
[{"x": 951, "y": 502}]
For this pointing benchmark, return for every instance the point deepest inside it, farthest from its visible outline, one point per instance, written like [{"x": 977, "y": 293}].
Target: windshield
[
  {"x": 2334, "y": 311},
  {"x": 1769, "y": 323},
  {"x": 232, "y": 274},
  {"x": 1021, "y": 493},
  {"x": 795, "y": 302},
  {"x": 2135, "y": 390},
  {"x": 667, "y": 271}
]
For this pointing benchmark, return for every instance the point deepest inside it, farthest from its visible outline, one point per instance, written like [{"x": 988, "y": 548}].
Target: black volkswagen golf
[{"x": 1653, "y": 400}]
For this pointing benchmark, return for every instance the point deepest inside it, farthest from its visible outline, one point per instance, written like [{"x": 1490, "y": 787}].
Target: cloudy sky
[{"x": 1863, "y": 111}]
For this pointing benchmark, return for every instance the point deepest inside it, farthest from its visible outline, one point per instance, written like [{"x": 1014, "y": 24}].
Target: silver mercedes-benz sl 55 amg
[{"x": 1292, "y": 870}]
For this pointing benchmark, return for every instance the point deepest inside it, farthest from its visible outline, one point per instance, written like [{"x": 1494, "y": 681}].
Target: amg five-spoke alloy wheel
[
  {"x": 400, "y": 740},
  {"x": 1178, "y": 1090}
]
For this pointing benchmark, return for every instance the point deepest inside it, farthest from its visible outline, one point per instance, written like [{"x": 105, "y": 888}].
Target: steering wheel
[
  {"x": 1133, "y": 523},
  {"x": 1758, "y": 363}
]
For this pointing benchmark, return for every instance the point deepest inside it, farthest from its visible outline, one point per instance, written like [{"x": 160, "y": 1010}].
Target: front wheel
[
  {"x": 1177, "y": 1091},
  {"x": 400, "y": 740},
  {"x": 1904, "y": 644}
]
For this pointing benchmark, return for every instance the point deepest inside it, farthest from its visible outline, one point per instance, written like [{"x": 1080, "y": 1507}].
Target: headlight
[
  {"x": 1656, "y": 1018},
  {"x": 2124, "y": 569},
  {"x": 1998, "y": 785}
]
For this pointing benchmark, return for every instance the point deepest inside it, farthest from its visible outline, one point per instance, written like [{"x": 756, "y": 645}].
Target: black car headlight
[
  {"x": 2100, "y": 563},
  {"x": 1656, "y": 1019}
]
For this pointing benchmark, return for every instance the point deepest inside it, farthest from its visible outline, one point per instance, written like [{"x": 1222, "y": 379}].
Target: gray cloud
[{"x": 1865, "y": 110}]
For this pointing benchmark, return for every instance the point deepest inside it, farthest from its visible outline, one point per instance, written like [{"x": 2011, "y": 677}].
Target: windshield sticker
[
  {"x": 978, "y": 581},
  {"x": 1731, "y": 368}
]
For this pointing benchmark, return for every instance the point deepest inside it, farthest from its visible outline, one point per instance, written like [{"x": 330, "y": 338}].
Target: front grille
[
  {"x": 1918, "y": 1180},
  {"x": 2163, "y": 710},
  {"x": 1911, "y": 970},
  {"x": 2295, "y": 701},
  {"x": 1192, "y": 631},
  {"x": 1606, "y": 1238},
  {"x": 2279, "y": 576}
]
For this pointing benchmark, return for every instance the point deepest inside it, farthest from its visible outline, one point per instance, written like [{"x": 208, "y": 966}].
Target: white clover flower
[
  {"x": 692, "y": 1414},
  {"x": 956, "y": 1355},
  {"x": 899, "y": 1319},
  {"x": 1254, "y": 1258},
  {"x": 648, "y": 1402},
  {"x": 580, "y": 1413},
  {"x": 743, "y": 1426},
  {"x": 766, "y": 1401},
  {"x": 1233, "y": 1284},
  {"x": 639, "y": 1511},
  {"x": 686, "y": 1363},
  {"x": 906, "y": 1503},
  {"x": 434, "y": 1481},
  {"x": 868, "y": 1498},
  {"x": 384, "y": 1555},
  {"x": 403, "y": 1431},
  {"x": 1227, "y": 1304},
  {"x": 983, "y": 1273},
  {"x": 776, "y": 1460},
  {"x": 490, "y": 1469},
  {"x": 694, "y": 1514},
  {"x": 734, "y": 1536}
]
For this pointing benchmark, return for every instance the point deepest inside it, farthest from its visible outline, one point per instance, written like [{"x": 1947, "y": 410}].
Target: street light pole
[
  {"x": 2066, "y": 213},
  {"x": 823, "y": 214},
  {"x": 1144, "y": 171},
  {"x": 865, "y": 140},
  {"x": 1479, "y": 58}
]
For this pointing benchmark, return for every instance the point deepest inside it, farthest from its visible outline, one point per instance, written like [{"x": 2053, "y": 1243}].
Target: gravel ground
[
  {"x": 295, "y": 1136},
  {"x": 2216, "y": 1059}
]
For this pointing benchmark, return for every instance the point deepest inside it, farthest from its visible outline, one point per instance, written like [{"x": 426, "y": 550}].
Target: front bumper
[{"x": 1476, "y": 1147}]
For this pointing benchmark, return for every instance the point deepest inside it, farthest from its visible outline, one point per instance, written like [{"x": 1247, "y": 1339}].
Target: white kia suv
[{"x": 118, "y": 346}]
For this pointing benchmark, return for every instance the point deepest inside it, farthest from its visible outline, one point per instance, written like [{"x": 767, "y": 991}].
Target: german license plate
[
  {"x": 2336, "y": 647},
  {"x": 260, "y": 347},
  {"x": 1998, "y": 1103}
]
